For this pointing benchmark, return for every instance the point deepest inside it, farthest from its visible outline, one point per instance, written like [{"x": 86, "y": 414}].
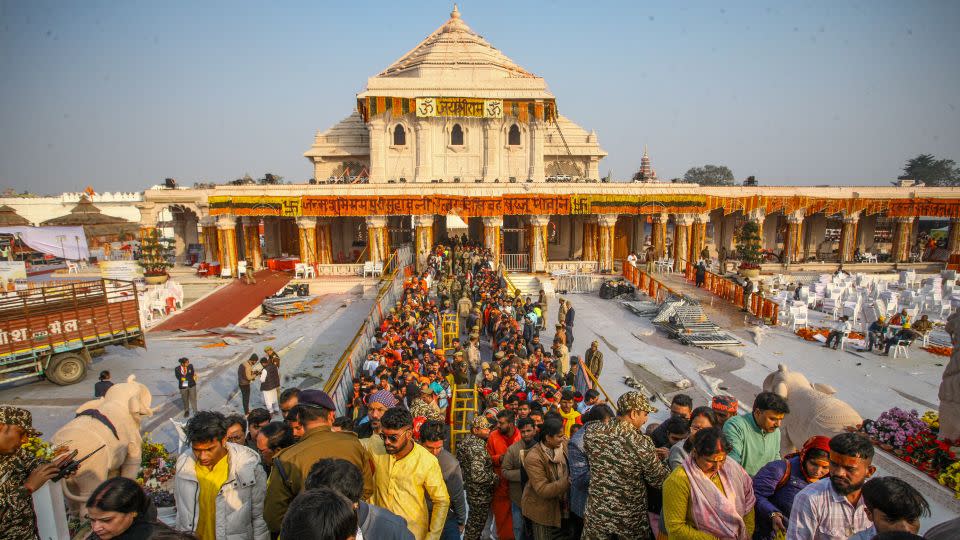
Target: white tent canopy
[{"x": 63, "y": 242}]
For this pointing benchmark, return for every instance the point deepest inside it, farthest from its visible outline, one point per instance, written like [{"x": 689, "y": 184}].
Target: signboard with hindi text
[
  {"x": 124, "y": 270},
  {"x": 459, "y": 107}
]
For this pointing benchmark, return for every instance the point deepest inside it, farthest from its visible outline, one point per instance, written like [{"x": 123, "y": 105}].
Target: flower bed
[
  {"x": 913, "y": 439},
  {"x": 809, "y": 333},
  {"x": 156, "y": 472}
]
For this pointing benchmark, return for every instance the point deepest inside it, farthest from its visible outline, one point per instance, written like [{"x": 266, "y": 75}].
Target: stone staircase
[{"x": 529, "y": 284}]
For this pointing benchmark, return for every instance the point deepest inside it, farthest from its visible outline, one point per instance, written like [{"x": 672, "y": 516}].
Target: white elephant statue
[
  {"x": 813, "y": 409},
  {"x": 112, "y": 420},
  {"x": 949, "y": 393}
]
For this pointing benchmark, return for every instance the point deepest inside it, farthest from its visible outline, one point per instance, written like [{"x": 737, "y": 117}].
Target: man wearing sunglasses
[{"x": 407, "y": 475}]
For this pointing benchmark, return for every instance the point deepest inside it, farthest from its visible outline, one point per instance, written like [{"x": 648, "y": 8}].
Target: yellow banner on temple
[
  {"x": 638, "y": 204},
  {"x": 459, "y": 107},
  {"x": 255, "y": 206}
]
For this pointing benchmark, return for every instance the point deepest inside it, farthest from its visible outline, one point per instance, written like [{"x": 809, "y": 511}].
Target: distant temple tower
[{"x": 647, "y": 174}]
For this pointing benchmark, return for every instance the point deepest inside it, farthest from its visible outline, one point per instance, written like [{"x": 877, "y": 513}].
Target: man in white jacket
[{"x": 219, "y": 486}]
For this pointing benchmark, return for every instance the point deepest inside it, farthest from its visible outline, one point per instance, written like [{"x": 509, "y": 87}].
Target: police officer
[{"x": 291, "y": 466}]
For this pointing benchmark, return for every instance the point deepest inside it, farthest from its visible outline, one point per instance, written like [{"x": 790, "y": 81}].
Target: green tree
[
  {"x": 932, "y": 171},
  {"x": 749, "y": 248},
  {"x": 709, "y": 175}
]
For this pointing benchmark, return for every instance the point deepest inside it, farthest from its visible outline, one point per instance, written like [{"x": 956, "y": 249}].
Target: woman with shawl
[{"x": 709, "y": 496}]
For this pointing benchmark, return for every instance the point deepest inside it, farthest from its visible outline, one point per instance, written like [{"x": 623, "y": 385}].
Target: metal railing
[
  {"x": 340, "y": 384},
  {"x": 515, "y": 262},
  {"x": 762, "y": 308}
]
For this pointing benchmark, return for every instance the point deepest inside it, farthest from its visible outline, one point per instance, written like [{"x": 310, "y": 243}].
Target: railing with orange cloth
[
  {"x": 646, "y": 282},
  {"x": 732, "y": 292}
]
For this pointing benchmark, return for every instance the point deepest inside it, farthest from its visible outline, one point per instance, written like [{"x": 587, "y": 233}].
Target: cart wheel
[{"x": 66, "y": 368}]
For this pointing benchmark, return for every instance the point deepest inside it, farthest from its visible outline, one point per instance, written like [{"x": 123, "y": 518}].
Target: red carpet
[{"x": 228, "y": 305}]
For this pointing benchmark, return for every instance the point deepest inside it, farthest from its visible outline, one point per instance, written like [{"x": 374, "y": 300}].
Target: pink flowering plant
[{"x": 895, "y": 426}]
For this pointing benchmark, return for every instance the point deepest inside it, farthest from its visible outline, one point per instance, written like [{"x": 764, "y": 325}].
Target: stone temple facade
[
  {"x": 455, "y": 128},
  {"x": 455, "y": 108}
]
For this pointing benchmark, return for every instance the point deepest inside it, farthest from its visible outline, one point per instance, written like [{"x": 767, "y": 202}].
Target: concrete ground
[
  {"x": 309, "y": 344},
  {"x": 869, "y": 382}
]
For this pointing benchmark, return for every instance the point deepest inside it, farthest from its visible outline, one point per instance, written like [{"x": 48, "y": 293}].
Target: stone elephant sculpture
[
  {"x": 813, "y": 409},
  {"x": 112, "y": 420}
]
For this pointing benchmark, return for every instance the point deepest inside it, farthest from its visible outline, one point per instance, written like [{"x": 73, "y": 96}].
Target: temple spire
[{"x": 455, "y": 14}]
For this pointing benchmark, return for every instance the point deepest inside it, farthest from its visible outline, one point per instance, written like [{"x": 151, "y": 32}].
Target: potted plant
[
  {"x": 749, "y": 249},
  {"x": 154, "y": 258}
]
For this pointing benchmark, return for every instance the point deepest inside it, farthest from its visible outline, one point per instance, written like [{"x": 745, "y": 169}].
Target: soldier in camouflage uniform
[
  {"x": 478, "y": 476},
  {"x": 623, "y": 463},
  {"x": 420, "y": 407},
  {"x": 21, "y": 473}
]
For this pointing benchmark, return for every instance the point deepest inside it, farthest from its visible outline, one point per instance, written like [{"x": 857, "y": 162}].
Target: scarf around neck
[{"x": 720, "y": 512}]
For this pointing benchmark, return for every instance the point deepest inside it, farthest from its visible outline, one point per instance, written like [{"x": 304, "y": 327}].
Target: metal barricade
[
  {"x": 578, "y": 283},
  {"x": 515, "y": 262}
]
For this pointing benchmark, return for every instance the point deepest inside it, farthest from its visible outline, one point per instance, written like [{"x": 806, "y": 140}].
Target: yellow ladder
[
  {"x": 463, "y": 407},
  {"x": 450, "y": 330}
]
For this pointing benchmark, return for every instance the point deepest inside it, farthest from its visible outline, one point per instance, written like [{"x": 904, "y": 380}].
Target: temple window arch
[
  {"x": 456, "y": 135},
  {"x": 513, "y": 136},
  {"x": 399, "y": 135}
]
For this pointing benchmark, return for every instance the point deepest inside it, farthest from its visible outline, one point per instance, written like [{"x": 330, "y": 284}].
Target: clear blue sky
[{"x": 120, "y": 95}]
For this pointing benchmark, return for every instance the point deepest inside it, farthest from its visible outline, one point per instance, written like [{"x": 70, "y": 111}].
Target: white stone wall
[
  {"x": 428, "y": 153},
  {"x": 40, "y": 209}
]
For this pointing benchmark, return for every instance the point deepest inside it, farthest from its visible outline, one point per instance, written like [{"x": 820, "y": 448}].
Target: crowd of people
[{"x": 544, "y": 455}]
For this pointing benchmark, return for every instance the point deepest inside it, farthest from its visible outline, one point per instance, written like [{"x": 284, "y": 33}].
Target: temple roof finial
[{"x": 455, "y": 14}]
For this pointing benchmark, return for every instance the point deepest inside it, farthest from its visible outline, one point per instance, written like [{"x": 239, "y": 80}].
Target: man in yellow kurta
[{"x": 406, "y": 475}]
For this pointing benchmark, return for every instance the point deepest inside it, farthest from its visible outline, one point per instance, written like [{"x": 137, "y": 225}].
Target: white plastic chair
[
  {"x": 73, "y": 268},
  {"x": 800, "y": 317},
  {"x": 901, "y": 348},
  {"x": 225, "y": 271},
  {"x": 367, "y": 268},
  {"x": 299, "y": 271},
  {"x": 309, "y": 271},
  {"x": 378, "y": 268}
]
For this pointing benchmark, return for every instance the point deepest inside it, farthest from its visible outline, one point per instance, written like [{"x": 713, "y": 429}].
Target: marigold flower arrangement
[
  {"x": 157, "y": 467},
  {"x": 895, "y": 426},
  {"x": 932, "y": 419},
  {"x": 950, "y": 477}
]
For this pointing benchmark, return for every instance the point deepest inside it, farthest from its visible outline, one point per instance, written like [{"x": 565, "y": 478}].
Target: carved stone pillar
[
  {"x": 423, "y": 170},
  {"x": 307, "y": 235},
  {"x": 590, "y": 239},
  {"x": 848, "y": 237},
  {"x": 491, "y": 238},
  {"x": 251, "y": 242},
  {"x": 698, "y": 236},
  {"x": 758, "y": 216},
  {"x": 536, "y": 150},
  {"x": 538, "y": 242},
  {"x": 227, "y": 239},
  {"x": 953, "y": 237},
  {"x": 378, "y": 248},
  {"x": 423, "y": 240},
  {"x": 900, "y": 251},
  {"x": 658, "y": 235},
  {"x": 208, "y": 238},
  {"x": 491, "y": 154},
  {"x": 324, "y": 242},
  {"x": 606, "y": 225},
  {"x": 681, "y": 237},
  {"x": 793, "y": 242},
  {"x": 378, "y": 149}
]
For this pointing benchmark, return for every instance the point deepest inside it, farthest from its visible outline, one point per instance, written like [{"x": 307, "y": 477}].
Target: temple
[{"x": 455, "y": 129}]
